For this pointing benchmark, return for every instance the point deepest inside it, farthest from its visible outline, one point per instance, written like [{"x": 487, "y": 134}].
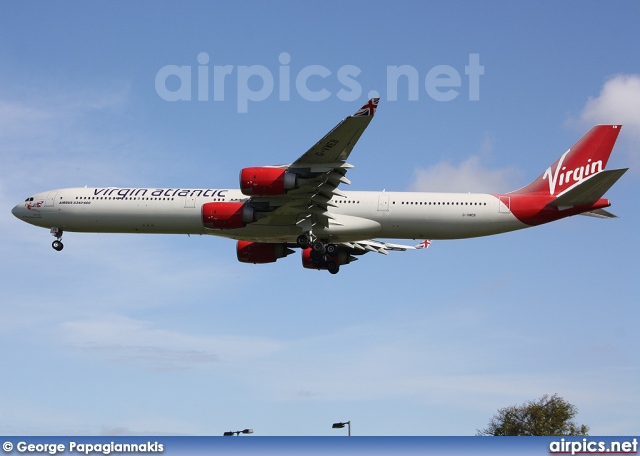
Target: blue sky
[{"x": 129, "y": 334}]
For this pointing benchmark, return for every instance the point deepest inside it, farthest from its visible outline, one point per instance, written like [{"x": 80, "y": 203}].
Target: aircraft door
[
  {"x": 50, "y": 199},
  {"x": 383, "y": 203},
  {"x": 190, "y": 201},
  {"x": 505, "y": 205}
]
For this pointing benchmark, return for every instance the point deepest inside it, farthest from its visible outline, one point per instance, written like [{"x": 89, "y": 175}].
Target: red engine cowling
[
  {"x": 226, "y": 215},
  {"x": 339, "y": 258},
  {"x": 266, "y": 181},
  {"x": 260, "y": 252}
]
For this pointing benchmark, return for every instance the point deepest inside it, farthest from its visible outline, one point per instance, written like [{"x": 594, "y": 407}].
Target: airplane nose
[{"x": 16, "y": 210}]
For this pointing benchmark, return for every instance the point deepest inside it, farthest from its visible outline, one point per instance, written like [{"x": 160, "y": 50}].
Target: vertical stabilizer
[{"x": 585, "y": 158}]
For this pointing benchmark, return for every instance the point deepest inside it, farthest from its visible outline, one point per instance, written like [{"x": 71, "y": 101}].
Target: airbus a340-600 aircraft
[{"x": 282, "y": 207}]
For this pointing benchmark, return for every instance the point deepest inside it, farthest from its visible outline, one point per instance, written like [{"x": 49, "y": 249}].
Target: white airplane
[{"x": 299, "y": 205}]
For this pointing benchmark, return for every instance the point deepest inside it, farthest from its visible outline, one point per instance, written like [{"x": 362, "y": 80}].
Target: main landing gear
[
  {"x": 57, "y": 244},
  {"x": 321, "y": 252}
]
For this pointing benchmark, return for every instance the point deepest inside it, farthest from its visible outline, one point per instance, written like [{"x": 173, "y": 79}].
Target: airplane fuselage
[{"x": 358, "y": 215}]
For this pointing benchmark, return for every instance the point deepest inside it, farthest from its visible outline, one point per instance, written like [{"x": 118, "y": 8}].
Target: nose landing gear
[{"x": 57, "y": 244}]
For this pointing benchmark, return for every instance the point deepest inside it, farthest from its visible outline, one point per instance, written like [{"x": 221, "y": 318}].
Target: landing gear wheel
[
  {"x": 57, "y": 233},
  {"x": 332, "y": 249},
  {"x": 316, "y": 256},
  {"x": 332, "y": 267},
  {"x": 319, "y": 247},
  {"x": 303, "y": 241}
]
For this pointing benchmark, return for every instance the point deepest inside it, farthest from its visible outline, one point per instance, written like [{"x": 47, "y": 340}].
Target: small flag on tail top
[{"x": 369, "y": 109}]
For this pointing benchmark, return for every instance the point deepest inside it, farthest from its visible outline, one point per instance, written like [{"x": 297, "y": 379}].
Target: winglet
[
  {"x": 424, "y": 244},
  {"x": 369, "y": 109}
]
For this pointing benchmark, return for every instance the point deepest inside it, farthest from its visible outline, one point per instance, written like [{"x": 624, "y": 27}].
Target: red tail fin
[{"x": 587, "y": 157}]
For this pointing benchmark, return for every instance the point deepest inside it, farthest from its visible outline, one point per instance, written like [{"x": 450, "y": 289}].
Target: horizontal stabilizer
[
  {"x": 600, "y": 213},
  {"x": 590, "y": 189}
]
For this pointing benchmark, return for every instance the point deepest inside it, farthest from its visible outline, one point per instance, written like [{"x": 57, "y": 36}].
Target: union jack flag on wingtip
[
  {"x": 424, "y": 244},
  {"x": 369, "y": 109}
]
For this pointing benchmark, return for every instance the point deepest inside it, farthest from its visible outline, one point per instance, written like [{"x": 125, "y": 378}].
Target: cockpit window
[{"x": 28, "y": 199}]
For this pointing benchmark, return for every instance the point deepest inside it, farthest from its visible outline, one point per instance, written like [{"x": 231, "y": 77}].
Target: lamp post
[
  {"x": 341, "y": 424},
  {"x": 244, "y": 431}
]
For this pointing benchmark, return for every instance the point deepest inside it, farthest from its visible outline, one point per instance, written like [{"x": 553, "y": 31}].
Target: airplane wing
[
  {"x": 319, "y": 172},
  {"x": 336, "y": 145},
  {"x": 381, "y": 247}
]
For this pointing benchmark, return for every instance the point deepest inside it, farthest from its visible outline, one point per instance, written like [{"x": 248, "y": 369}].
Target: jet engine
[
  {"x": 267, "y": 181},
  {"x": 261, "y": 252},
  {"x": 226, "y": 215}
]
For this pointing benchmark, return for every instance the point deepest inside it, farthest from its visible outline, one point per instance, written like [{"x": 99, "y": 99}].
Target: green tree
[{"x": 545, "y": 416}]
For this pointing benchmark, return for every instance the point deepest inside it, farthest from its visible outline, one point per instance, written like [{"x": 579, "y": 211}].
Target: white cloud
[
  {"x": 425, "y": 372},
  {"x": 125, "y": 340},
  {"x": 469, "y": 176},
  {"x": 65, "y": 137},
  {"x": 617, "y": 103},
  {"x": 44, "y": 123}
]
